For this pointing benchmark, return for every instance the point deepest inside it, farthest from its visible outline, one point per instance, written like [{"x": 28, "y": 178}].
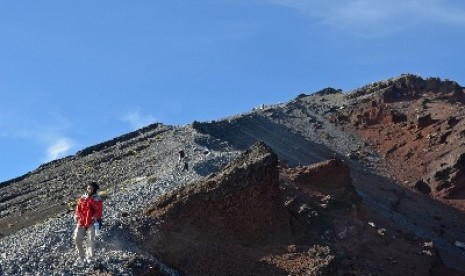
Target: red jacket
[{"x": 88, "y": 209}]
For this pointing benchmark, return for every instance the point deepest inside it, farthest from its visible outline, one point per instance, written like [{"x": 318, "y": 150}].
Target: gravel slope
[{"x": 47, "y": 247}]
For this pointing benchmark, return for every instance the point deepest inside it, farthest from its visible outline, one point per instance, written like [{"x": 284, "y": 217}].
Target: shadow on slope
[{"x": 242, "y": 132}]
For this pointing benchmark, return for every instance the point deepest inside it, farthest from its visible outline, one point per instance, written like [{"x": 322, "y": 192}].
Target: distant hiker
[
  {"x": 88, "y": 215},
  {"x": 181, "y": 156}
]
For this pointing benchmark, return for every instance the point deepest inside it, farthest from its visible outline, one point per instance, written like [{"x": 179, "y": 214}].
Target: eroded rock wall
[{"x": 241, "y": 204}]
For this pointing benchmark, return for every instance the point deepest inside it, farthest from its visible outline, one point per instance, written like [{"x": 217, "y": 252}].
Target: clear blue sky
[{"x": 76, "y": 73}]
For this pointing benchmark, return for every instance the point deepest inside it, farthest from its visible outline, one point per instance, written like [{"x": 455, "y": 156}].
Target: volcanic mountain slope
[{"x": 400, "y": 138}]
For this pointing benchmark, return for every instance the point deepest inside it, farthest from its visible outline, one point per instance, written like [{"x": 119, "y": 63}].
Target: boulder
[
  {"x": 422, "y": 121},
  {"x": 422, "y": 186}
]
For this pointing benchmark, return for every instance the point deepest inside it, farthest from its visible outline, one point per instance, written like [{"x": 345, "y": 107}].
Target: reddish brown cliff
[{"x": 417, "y": 126}]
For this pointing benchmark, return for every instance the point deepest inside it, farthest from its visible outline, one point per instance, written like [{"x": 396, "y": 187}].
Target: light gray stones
[{"x": 47, "y": 248}]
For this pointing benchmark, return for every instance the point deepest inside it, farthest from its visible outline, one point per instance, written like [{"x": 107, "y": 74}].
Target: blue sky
[{"x": 76, "y": 73}]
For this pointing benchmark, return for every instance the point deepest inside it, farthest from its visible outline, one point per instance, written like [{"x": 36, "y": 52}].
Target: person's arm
[{"x": 98, "y": 210}]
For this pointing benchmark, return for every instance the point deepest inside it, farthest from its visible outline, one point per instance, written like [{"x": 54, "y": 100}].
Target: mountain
[{"x": 337, "y": 179}]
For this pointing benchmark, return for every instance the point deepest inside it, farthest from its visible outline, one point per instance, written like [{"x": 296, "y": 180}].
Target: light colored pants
[{"x": 79, "y": 234}]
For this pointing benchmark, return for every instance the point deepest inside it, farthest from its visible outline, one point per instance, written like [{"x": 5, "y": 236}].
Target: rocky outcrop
[
  {"x": 328, "y": 91},
  {"x": 422, "y": 186},
  {"x": 237, "y": 208},
  {"x": 450, "y": 178},
  {"x": 241, "y": 204},
  {"x": 408, "y": 87},
  {"x": 416, "y": 125},
  {"x": 328, "y": 178},
  {"x": 423, "y": 120},
  {"x": 332, "y": 175},
  {"x": 326, "y": 210}
]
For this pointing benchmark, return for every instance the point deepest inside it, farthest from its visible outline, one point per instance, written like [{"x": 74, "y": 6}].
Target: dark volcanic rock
[
  {"x": 422, "y": 121},
  {"x": 449, "y": 180},
  {"x": 422, "y": 186},
  {"x": 328, "y": 91}
]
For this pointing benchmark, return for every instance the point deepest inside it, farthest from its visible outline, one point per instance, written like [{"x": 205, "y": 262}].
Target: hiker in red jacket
[{"x": 88, "y": 215}]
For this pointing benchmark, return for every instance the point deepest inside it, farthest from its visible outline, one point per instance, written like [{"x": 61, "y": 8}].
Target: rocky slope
[
  {"x": 43, "y": 245},
  {"x": 253, "y": 218},
  {"x": 401, "y": 140},
  {"x": 417, "y": 126},
  {"x": 150, "y": 152}
]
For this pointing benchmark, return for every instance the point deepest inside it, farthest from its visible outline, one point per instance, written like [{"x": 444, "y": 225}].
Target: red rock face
[
  {"x": 219, "y": 218},
  {"x": 332, "y": 177},
  {"x": 418, "y": 128},
  {"x": 241, "y": 205}
]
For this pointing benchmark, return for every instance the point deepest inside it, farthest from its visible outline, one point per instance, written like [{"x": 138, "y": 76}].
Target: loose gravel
[{"x": 48, "y": 249}]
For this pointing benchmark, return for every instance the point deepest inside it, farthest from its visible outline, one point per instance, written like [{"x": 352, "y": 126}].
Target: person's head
[{"x": 92, "y": 188}]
